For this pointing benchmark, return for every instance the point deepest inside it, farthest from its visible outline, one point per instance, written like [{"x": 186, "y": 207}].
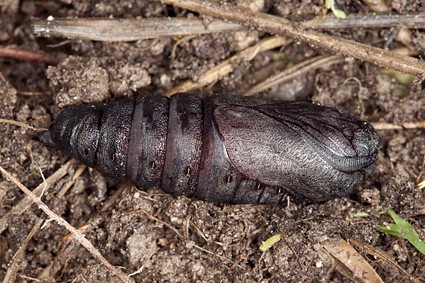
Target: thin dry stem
[
  {"x": 225, "y": 67},
  {"x": 294, "y": 72},
  {"x": 31, "y": 93},
  {"x": 280, "y": 26},
  {"x": 29, "y": 279},
  {"x": 93, "y": 251},
  {"x": 13, "y": 268},
  {"x": 382, "y": 126},
  {"x": 20, "y": 124},
  {"x": 77, "y": 174},
  {"x": 139, "y": 29},
  {"x": 162, "y": 222},
  {"x": 20, "y": 54},
  {"x": 69, "y": 248},
  {"x": 183, "y": 238},
  {"x": 127, "y": 29},
  {"x": 219, "y": 256},
  {"x": 370, "y": 21},
  {"x": 21, "y": 207},
  {"x": 144, "y": 264}
]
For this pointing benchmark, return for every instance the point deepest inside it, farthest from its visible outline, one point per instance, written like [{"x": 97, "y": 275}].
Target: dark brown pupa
[{"x": 223, "y": 148}]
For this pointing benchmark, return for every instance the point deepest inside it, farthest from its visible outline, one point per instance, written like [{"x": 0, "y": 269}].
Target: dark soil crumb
[{"x": 158, "y": 238}]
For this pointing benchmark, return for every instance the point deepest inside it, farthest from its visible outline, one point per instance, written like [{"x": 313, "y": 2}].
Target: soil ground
[{"x": 179, "y": 239}]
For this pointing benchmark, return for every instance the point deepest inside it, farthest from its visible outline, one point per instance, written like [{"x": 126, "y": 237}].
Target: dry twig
[
  {"x": 185, "y": 239},
  {"x": 139, "y": 29},
  {"x": 127, "y": 29},
  {"x": 294, "y": 72},
  {"x": 77, "y": 174},
  {"x": 20, "y": 124},
  {"x": 69, "y": 248},
  {"x": 21, "y": 207},
  {"x": 13, "y": 268},
  {"x": 93, "y": 251},
  {"x": 382, "y": 126},
  {"x": 300, "y": 32},
  {"x": 370, "y": 21},
  {"x": 7, "y": 52},
  {"x": 225, "y": 67}
]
